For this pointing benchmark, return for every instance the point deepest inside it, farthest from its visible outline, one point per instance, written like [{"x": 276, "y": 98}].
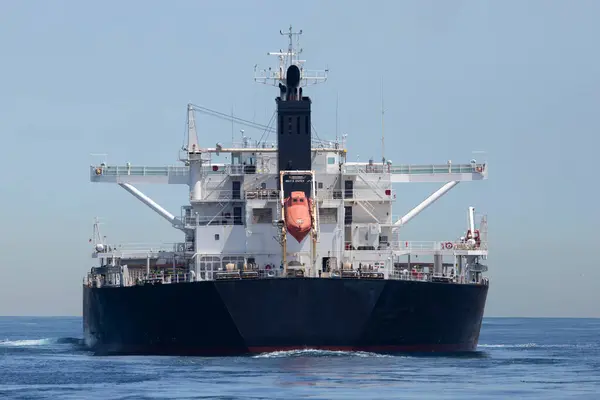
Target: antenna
[
  {"x": 269, "y": 76},
  {"x": 254, "y": 106},
  {"x": 382, "y": 126},
  {"x": 96, "y": 238},
  {"x": 291, "y": 52},
  {"x": 337, "y": 100},
  {"x": 232, "y": 139}
]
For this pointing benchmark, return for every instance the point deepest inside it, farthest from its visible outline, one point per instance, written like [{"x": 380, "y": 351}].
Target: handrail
[
  {"x": 236, "y": 169},
  {"x": 421, "y": 246},
  {"x": 356, "y": 194},
  {"x": 414, "y": 169},
  {"x": 217, "y": 219},
  {"x": 450, "y": 245},
  {"x": 130, "y": 170},
  {"x": 217, "y": 195},
  {"x": 142, "y": 247}
]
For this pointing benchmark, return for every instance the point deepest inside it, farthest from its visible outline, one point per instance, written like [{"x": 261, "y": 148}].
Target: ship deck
[{"x": 142, "y": 251}]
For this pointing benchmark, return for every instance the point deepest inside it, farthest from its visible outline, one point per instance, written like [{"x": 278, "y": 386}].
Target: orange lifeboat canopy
[{"x": 297, "y": 215}]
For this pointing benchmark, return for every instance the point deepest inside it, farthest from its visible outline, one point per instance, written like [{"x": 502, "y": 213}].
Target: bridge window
[{"x": 330, "y": 160}]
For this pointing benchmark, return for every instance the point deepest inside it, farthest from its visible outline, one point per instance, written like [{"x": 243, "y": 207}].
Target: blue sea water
[{"x": 43, "y": 358}]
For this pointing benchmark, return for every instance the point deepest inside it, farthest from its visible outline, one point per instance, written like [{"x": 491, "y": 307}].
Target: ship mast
[
  {"x": 382, "y": 126},
  {"x": 268, "y": 76}
]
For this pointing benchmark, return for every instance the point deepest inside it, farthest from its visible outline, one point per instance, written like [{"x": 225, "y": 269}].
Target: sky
[{"x": 515, "y": 79}]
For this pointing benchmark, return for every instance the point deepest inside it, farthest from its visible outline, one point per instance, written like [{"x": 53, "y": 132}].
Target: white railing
[
  {"x": 165, "y": 171},
  {"x": 250, "y": 143},
  {"x": 237, "y": 169},
  {"x": 356, "y": 194},
  {"x": 225, "y": 218},
  {"x": 255, "y": 144},
  {"x": 406, "y": 275},
  {"x": 217, "y": 195},
  {"x": 130, "y": 170},
  {"x": 228, "y": 169},
  {"x": 431, "y": 246},
  {"x": 261, "y": 194},
  {"x": 131, "y": 248},
  {"x": 420, "y": 276},
  {"x": 163, "y": 278},
  {"x": 92, "y": 280},
  {"x": 437, "y": 169},
  {"x": 438, "y": 245},
  {"x": 166, "y": 277},
  {"x": 415, "y": 169}
]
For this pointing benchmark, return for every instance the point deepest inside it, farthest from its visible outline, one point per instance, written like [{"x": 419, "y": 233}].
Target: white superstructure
[{"x": 232, "y": 223}]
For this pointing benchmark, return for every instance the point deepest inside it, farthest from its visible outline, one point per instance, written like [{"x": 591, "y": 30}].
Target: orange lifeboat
[{"x": 297, "y": 215}]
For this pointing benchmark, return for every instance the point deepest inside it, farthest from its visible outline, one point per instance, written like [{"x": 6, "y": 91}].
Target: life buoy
[
  {"x": 98, "y": 171},
  {"x": 448, "y": 245}
]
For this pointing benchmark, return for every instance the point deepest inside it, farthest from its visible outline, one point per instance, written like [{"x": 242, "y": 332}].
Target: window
[
  {"x": 216, "y": 236},
  {"x": 330, "y": 160},
  {"x": 328, "y": 215},
  {"x": 262, "y": 215}
]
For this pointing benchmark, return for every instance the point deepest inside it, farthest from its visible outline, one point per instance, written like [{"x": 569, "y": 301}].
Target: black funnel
[
  {"x": 293, "y": 77},
  {"x": 294, "y": 134}
]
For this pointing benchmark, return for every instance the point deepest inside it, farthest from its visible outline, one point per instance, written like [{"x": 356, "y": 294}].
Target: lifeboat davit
[{"x": 297, "y": 215}]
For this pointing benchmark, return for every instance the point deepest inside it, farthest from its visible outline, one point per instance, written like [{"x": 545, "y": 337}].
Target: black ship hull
[{"x": 253, "y": 316}]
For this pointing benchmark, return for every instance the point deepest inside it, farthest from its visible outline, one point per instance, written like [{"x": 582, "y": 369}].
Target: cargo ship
[{"x": 286, "y": 245}]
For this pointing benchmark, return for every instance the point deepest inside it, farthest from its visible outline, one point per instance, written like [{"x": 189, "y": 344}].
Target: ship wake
[
  {"x": 318, "y": 353},
  {"x": 40, "y": 342},
  {"x": 54, "y": 345}
]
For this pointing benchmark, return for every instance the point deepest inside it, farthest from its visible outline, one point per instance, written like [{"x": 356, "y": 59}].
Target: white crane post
[
  {"x": 151, "y": 203},
  {"x": 472, "y": 220},
  {"x": 426, "y": 203}
]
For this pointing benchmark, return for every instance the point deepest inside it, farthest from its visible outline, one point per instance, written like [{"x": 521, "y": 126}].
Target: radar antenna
[{"x": 268, "y": 76}]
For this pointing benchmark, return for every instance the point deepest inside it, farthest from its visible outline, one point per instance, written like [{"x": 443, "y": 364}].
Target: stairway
[
  {"x": 368, "y": 207},
  {"x": 379, "y": 191}
]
